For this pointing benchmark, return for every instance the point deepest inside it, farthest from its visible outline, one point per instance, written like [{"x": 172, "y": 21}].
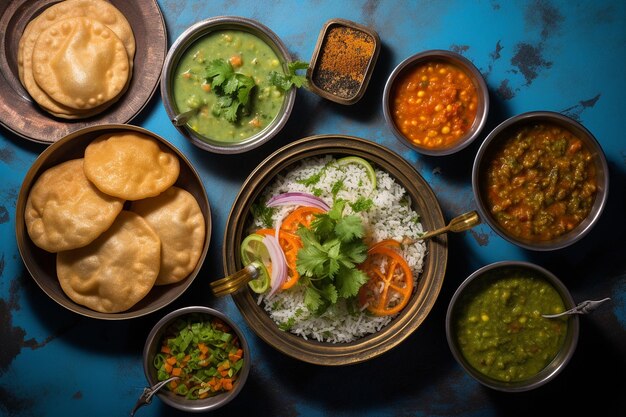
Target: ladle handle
[{"x": 459, "y": 224}]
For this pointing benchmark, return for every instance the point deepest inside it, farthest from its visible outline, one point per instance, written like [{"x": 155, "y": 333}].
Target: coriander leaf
[
  {"x": 349, "y": 228},
  {"x": 233, "y": 90},
  {"x": 355, "y": 251},
  {"x": 329, "y": 292},
  {"x": 312, "y": 299},
  {"x": 312, "y": 180},
  {"x": 261, "y": 211},
  {"x": 337, "y": 186},
  {"x": 348, "y": 281},
  {"x": 230, "y": 112},
  {"x": 218, "y": 71},
  {"x": 324, "y": 226},
  {"x": 246, "y": 84},
  {"x": 361, "y": 204},
  {"x": 336, "y": 210},
  {"x": 292, "y": 79}
]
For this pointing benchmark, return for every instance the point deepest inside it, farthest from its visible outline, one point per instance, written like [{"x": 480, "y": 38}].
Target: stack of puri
[{"x": 116, "y": 221}]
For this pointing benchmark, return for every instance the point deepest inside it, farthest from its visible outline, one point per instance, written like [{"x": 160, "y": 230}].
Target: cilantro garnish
[
  {"x": 292, "y": 79},
  {"x": 361, "y": 204},
  {"x": 261, "y": 211},
  {"x": 233, "y": 89},
  {"x": 332, "y": 248}
]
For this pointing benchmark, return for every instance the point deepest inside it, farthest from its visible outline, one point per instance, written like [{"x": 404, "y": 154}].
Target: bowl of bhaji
[
  {"x": 540, "y": 180},
  {"x": 200, "y": 355},
  {"x": 436, "y": 102},
  {"x": 496, "y": 329},
  {"x": 226, "y": 84}
]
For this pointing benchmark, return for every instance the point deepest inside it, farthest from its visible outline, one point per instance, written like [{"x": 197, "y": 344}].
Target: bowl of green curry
[
  {"x": 496, "y": 330},
  {"x": 231, "y": 74}
]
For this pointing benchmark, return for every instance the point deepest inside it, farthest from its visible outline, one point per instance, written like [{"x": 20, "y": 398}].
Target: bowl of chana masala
[
  {"x": 436, "y": 102},
  {"x": 540, "y": 180},
  {"x": 202, "y": 354},
  {"x": 496, "y": 331}
]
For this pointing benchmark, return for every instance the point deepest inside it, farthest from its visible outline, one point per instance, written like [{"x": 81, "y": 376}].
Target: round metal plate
[
  {"x": 42, "y": 265},
  {"x": 429, "y": 283},
  {"x": 20, "y": 114}
]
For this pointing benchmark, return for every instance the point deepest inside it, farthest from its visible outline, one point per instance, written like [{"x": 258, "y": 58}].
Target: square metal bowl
[{"x": 356, "y": 88}]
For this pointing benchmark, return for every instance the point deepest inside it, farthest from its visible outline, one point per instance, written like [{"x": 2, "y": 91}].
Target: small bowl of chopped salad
[
  {"x": 205, "y": 355},
  {"x": 332, "y": 225}
]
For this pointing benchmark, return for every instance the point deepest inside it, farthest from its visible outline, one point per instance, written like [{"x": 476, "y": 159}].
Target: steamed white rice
[{"x": 390, "y": 216}]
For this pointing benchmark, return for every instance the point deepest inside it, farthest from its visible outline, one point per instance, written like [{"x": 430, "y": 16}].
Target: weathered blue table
[{"x": 535, "y": 55}]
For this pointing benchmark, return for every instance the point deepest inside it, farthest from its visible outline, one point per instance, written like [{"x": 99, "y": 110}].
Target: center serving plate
[{"x": 430, "y": 281}]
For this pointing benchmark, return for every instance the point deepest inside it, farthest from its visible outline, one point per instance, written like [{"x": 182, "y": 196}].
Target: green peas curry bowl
[
  {"x": 224, "y": 73},
  {"x": 496, "y": 331},
  {"x": 203, "y": 353}
]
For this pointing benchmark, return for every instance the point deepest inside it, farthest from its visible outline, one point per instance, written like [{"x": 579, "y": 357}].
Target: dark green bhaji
[
  {"x": 499, "y": 327},
  {"x": 541, "y": 182}
]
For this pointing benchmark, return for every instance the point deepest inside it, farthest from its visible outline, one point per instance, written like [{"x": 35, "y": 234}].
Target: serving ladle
[
  {"x": 182, "y": 118},
  {"x": 148, "y": 393},
  {"x": 585, "y": 307},
  {"x": 458, "y": 224}
]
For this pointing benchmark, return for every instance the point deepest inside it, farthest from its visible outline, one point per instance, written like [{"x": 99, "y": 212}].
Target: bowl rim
[
  {"x": 431, "y": 278},
  {"x": 557, "y": 364},
  {"x": 456, "y": 59},
  {"x": 176, "y": 401},
  {"x": 191, "y": 35},
  {"x": 41, "y": 163},
  {"x": 586, "y": 225}
]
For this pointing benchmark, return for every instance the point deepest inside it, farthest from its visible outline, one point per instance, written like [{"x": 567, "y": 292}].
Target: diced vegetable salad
[{"x": 205, "y": 354}]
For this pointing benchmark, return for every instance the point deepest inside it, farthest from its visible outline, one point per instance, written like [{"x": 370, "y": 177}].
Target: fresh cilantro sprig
[
  {"x": 332, "y": 248},
  {"x": 292, "y": 79},
  {"x": 233, "y": 89}
]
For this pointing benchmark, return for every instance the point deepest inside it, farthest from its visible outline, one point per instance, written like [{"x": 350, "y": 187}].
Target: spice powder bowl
[{"x": 343, "y": 61}]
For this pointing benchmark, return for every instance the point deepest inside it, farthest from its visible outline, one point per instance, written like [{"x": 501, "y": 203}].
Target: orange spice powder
[{"x": 343, "y": 62}]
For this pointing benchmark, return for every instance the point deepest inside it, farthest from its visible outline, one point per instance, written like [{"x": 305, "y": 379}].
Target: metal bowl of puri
[
  {"x": 103, "y": 256},
  {"x": 540, "y": 180},
  {"x": 218, "y": 72},
  {"x": 326, "y": 347}
]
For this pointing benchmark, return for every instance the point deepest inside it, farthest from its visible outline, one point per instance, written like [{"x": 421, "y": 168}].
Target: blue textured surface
[{"x": 535, "y": 55}]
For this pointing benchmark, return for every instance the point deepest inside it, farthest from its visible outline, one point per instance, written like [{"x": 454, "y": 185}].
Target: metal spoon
[
  {"x": 584, "y": 307},
  {"x": 459, "y": 224},
  {"x": 146, "y": 396},
  {"x": 182, "y": 118}
]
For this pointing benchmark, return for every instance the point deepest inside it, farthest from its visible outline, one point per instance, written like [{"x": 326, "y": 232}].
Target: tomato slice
[
  {"x": 302, "y": 216},
  {"x": 290, "y": 244},
  {"x": 390, "y": 283}
]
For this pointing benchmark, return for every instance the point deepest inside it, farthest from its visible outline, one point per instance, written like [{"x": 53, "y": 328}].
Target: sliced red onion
[
  {"x": 279, "y": 263},
  {"x": 298, "y": 199}
]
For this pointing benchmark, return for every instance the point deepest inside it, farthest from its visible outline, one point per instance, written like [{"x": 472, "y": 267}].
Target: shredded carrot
[
  {"x": 168, "y": 368},
  {"x": 177, "y": 371},
  {"x": 165, "y": 349},
  {"x": 171, "y": 360}
]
